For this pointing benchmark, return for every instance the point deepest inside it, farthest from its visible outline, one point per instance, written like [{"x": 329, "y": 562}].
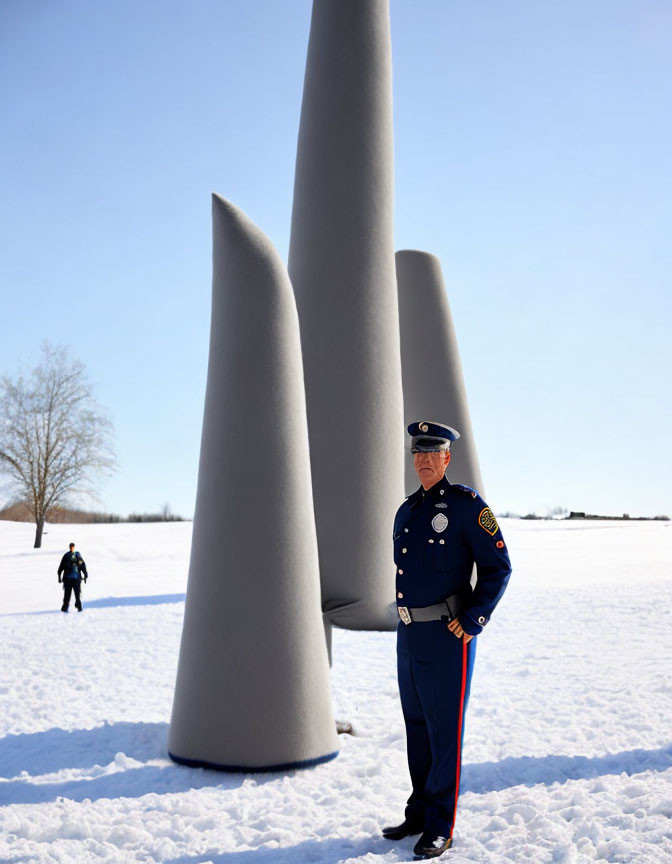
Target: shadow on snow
[
  {"x": 54, "y": 750},
  {"x": 109, "y": 602},
  {"x": 330, "y": 851},
  {"x": 94, "y": 751},
  {"x": 150, "y": 600},
  {"x": 530, "y": 770}
]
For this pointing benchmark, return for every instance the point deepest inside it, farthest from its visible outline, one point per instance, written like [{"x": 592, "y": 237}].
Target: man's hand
[{"x": 456, "y": 628}]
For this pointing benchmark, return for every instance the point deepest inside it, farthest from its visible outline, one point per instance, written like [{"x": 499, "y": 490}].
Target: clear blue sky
[{"x": 532, "y": 156}]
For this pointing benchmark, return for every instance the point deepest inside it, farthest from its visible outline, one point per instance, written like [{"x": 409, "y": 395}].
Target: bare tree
[{"x": 53, "y": 434}]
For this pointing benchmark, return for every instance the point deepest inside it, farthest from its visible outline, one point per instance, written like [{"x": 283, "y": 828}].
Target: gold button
[
  {"x": 401, "y": 572},
  {"x": 442, "y": 542},
  {"x": 400, "y": 595},
  {"x": 406, "y": 530},
  {"x": 431, "y": 541},
  {"x": 403, "y": 551},
  {"x": 481, "y": 619},
  {"x": 441, "y": 491}
]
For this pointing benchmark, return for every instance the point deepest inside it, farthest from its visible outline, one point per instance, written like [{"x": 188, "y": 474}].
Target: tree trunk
[{"x": 39, "y": 527}]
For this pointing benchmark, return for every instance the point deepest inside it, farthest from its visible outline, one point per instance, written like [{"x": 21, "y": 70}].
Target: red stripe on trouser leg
[{"x": 459, "y": 730}]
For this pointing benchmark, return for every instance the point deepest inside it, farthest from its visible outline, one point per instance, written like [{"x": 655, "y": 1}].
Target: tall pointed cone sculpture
[
  {"x": 432, "y": 372},
  {"x": 341, "y": 263},
  {"x": 252, "y": 688}
]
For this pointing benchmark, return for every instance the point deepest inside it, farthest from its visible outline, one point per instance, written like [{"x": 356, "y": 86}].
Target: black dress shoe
[
  {"x": 431, "y": 845},
  {"x": 398, "y": 832}
]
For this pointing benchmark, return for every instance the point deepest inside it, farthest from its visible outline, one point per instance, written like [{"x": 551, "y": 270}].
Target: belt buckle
[{"x": 404, "y": 614}]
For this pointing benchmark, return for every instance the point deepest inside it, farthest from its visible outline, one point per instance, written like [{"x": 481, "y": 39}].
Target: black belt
[{"x": 447, "y": 609}]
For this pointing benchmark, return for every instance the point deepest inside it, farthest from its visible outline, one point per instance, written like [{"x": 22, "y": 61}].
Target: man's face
[
  {"x": 430, "y": 467},
  {"x": 72, "y": 547}
]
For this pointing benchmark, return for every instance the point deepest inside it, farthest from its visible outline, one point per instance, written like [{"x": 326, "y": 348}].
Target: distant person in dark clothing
[{"x": 73, "y": 568}]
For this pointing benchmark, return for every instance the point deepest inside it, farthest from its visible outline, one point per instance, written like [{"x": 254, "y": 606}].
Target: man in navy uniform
[
  {"x": 73, "y": 568},
  {"x": 440, "y": 531}
]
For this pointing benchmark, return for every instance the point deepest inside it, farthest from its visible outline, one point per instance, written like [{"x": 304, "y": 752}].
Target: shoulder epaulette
[{"x": 464, "y": 488}]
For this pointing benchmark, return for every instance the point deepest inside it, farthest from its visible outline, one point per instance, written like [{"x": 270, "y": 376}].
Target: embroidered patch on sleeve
[{"x": 488, "y": 522}]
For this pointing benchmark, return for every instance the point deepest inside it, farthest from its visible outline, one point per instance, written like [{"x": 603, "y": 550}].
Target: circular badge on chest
[{"x": 440, "y": 523}]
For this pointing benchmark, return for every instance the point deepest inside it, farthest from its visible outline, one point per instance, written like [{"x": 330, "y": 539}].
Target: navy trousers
[
  {"x": 70, "y": 585},
  {"x": 434, "y": 669}
]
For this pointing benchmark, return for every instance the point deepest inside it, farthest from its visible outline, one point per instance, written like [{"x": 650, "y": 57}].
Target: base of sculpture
[{"x": 247, "y": 769}]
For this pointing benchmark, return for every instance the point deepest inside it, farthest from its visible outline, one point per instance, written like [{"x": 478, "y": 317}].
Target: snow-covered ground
[{"x": 568, "y": 754}]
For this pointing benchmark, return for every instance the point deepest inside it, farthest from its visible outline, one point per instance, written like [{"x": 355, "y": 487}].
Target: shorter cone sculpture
[
  {"x": 430, "y": 363},
  {"x": 252, "y": 688}
]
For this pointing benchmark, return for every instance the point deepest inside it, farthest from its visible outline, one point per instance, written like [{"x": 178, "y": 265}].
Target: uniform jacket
[
  {"x": 72, "y": 565},
  {"x": 438, "y": 536}
]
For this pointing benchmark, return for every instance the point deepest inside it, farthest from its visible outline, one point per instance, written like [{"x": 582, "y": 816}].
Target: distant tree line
[
  {"x": 20, "y": 511},
  {"x": 166, "y": 515},
  {"x": 577, "y": 514},
  {"x": 626, "y": 517}
]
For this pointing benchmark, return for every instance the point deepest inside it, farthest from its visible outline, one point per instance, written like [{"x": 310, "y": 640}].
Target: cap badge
[
  {"x": 424, "y": 427},
  {"x": 439, "y": 523}
]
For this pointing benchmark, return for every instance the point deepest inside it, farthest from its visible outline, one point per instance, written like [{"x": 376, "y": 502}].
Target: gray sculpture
[
  {"x": 252, "y": 689},
  {"x": 341, "y": 263},
  {"x": 431, "y": 368}
]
